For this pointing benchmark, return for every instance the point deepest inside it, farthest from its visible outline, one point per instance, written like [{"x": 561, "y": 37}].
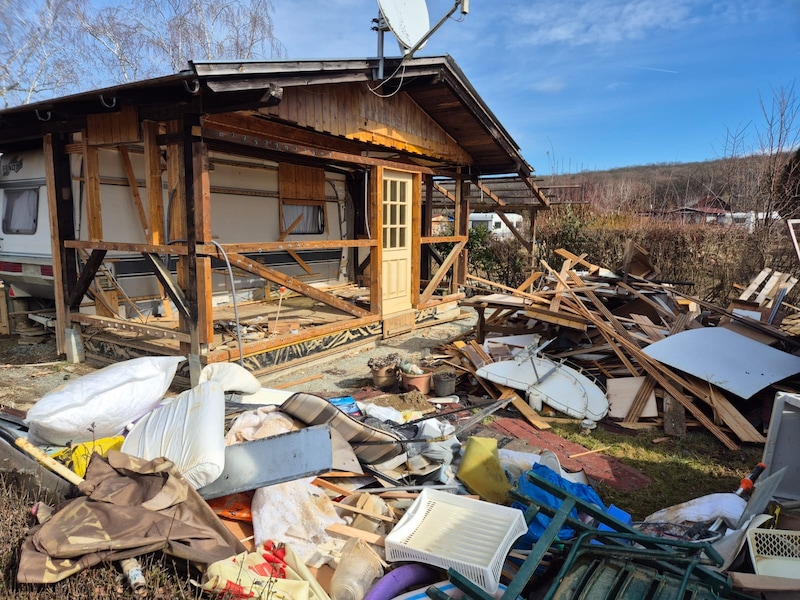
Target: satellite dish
[{"x": 407, "y": 19}]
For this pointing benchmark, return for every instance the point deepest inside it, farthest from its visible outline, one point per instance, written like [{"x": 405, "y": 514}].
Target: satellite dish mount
[{"x": 408, "y": 20}]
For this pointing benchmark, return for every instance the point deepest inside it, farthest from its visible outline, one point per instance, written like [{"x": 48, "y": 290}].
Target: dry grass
[{"x": 166, "y": 579}]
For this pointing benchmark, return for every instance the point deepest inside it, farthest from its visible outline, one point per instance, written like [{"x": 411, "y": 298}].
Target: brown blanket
[{"x": 131, "y": 507}]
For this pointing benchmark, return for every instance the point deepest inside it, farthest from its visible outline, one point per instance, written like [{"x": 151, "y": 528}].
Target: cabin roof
[{"x": 436, "y": 84}]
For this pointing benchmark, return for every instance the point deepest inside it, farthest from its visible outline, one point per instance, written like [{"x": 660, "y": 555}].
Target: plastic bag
[
  {"x": 103, "y": 403},
  {"x": 189, "y": 431}
]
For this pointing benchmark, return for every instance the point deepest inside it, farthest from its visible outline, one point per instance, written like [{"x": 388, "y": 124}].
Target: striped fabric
[{"x": 313, "y": 410}]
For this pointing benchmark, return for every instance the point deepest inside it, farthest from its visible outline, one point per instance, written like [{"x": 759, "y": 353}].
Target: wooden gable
[{"x": 354, "y": 112}]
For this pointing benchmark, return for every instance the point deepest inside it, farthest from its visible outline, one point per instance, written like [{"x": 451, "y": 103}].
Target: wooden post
[
  {"x": 188, "y": 268},
  {"x": 154, "y": 194},
  {"x": 91, "y": 175},
  {"x": 427, "y": 227},
  {"x": 375, "y": 218},
  {"x": 462, "y": 228},
  {"x": 416, "y": 231},
  {"x": 202, "y": 226},
  {"x": 62, "y": 227}
]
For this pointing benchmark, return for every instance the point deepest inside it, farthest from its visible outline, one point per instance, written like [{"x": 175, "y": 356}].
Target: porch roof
[{"x": 436, "y": 84}]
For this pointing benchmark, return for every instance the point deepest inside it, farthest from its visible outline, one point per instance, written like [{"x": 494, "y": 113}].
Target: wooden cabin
[{"x": 264, "y": 212}]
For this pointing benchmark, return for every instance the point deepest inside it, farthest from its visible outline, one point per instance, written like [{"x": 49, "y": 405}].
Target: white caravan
[{"x": 245, "y": 207}]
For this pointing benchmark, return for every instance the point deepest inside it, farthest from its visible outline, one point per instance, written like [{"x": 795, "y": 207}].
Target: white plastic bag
[
  {"x": 232, "y": 377},
  {"x": 188, "y": 430},
  {"x": 103, "y": 403}
]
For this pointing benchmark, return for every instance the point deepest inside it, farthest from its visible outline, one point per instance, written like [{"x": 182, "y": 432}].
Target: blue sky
[{"x": 584, "y": 85}]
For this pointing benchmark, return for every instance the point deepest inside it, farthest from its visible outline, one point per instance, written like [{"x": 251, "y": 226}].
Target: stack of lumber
[{"x": 603, "y": 321}]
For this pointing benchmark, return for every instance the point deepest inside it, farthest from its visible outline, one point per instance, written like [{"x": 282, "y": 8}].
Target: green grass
[{"x": 680, "y": 468}]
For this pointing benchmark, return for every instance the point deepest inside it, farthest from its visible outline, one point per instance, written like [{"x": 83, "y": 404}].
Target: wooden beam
[
  {"x": 375, "y": 220},
  {"x": 283, "y": 341},
  {"x": 85, "y": 279},
  {"x": 416, "y": 249},
  {"x": 157, "y": 233},
  {"x": 249, "y": 247},
  {"x": 310, "y": 152},
  {"x": 134, "y": 187},
  {"x": 144, "y": 329},
  {"x": 91, "y": 169},
  {"x": 441, "y": 272},
  {"x": 242, "y": 262},
  {"x": 153, "y": 183},
  {"x": 173, "y": 291},
  {"x": 202, "y": 219},
  {"x": 62, "y": 228},
  {"x": 174, "y": 249}
]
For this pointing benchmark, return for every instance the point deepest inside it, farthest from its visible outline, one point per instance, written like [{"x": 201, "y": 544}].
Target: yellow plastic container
[{"x": 480, "y": 471}]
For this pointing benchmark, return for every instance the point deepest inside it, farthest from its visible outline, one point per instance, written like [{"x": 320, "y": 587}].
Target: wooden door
[{"x": 396, "y": 244}]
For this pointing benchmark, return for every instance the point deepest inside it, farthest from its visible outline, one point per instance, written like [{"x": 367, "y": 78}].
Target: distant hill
[{"x": 738, "y": 182}]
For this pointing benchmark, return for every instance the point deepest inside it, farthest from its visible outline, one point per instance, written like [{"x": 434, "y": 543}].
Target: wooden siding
[{"x": 356, "y": 113}]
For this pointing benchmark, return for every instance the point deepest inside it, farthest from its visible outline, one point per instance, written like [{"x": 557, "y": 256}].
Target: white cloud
[{"x": 549, "y": 86}]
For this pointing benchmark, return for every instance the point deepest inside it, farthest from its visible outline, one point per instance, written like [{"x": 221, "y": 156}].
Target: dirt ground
[{"x": 28, "y": 371}]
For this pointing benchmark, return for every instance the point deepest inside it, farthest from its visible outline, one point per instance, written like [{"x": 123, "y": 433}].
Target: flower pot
[
  {"x": 444, "y": 383},
  {"x": 384, "y": 377},
  {"x": 421, "y": 383}
]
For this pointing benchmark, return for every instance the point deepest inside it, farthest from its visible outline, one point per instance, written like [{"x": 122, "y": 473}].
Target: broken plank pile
[{"x": 643, "y": 340}]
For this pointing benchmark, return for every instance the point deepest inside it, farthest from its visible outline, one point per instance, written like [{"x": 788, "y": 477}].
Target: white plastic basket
[
  {"x": 775, "y": 552},
  {"x": 445, "y": 530}
]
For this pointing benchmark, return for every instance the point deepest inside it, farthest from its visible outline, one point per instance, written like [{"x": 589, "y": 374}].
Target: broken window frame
[{"x": 314, "y": 221}]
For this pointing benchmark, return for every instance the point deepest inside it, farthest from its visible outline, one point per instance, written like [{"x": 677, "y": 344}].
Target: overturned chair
[{"x": 616, "y": 562}]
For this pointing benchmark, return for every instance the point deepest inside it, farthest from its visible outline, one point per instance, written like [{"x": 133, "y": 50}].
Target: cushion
[{"x": 314, "y": 410}]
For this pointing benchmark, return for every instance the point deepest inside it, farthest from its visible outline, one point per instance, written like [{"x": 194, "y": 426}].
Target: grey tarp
[{"x": 131, "y": 507}]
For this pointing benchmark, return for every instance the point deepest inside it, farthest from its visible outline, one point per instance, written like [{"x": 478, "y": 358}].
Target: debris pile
[
  {"x": 392, "y": 492},
  {"x": 636, "y": 340}
]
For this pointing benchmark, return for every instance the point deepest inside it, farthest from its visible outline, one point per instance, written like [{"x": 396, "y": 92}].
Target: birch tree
[
  {"x": 56, "y": 47},
  {"x": 37, "y": 50}
]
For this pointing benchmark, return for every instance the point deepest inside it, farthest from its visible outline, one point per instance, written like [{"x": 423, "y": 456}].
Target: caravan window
[
  {"x": 20, "y": 211},
  {"x": 305, "y": 218}
]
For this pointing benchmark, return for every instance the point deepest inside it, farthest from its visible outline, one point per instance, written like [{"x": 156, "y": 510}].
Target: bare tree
[
  {"x": 778, "y": 138},
  {"x": 55, "y": 47},
  {"x": 154, "y": 37},
  {"x": 37, "y": 49}
]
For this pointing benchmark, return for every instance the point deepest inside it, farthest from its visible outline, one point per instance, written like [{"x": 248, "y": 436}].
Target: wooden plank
[
  {"x": 144, "y": 329},
  {"x": 514, "y": 291},
  {"x": 664, "y": 376},
  {"x": 643, "y": 397},
  {"x": 754, "y": 284},
  {"x": 577, "y": 260},
  {"x": 155, "y": 195},
  {"x": 524, "y": 409},
  {"x": 352, "y": 532},
  {"x": 731, "y": 417},
  {"x": 561, "y": 285},
  {"x": 644, "y": 298},
  {"x": 55, "y": 188},
  {"x": 773, "y": 281},
  {"x": 443, "y": 269},
  {"x": 622, "y": 393},
  {"x": 561, "y": 318},
  {"x": 674, "y": 417},
  {"x": 651, "y": 330}
]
